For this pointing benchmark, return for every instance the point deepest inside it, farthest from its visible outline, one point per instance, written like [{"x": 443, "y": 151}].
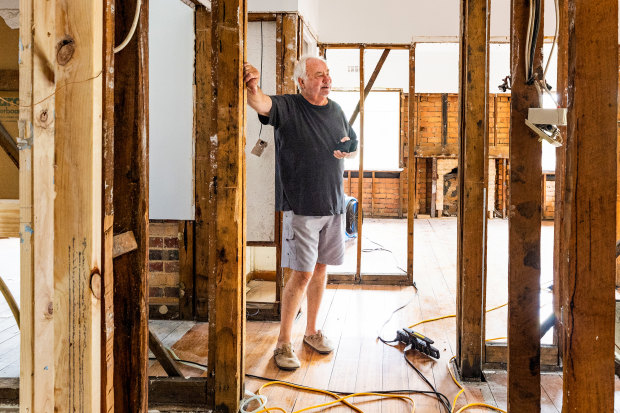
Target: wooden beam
[
  {"x": 472, "y": 164},
  {"x": 9, "y": 79},
  {"x": 412, "y": 114},
  {"x": 77, "y": 183},
  {"x": 287, "y": 33},
  {"x": 434, "y": 177},
  {"x": 228, "y": 311},
  {"x": 591, "y": 150},
  {"x": 559, "y": 237},
  {"x": 163, "y": 356},
  {"x": 371, "y": 82},
  {"x": 186, "y": 270},
  {"x": 37, "y": 126},
  {"x": 9, "y": 218},
  {"x": 131, "y": 211},
  {"x": 8, "y": 144},
  {"x": 124, "y": 243},
  {"x": 451, "y": 151},
  {"x": 444, "y": 120},
  {"x": 176, "y": 392},
  {"x": 524, "y": 224},
  {"x": 498, "y": 353},
  {"x": 27, "y": 70},
  {"x": 360, "y": 176},
  {"x": 205, "y": 170},
  {"x": 107, "y": 266}
]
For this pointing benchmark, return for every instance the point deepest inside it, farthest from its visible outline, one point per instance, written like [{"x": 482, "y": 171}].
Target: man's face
[{"x": 318, "y": 83}]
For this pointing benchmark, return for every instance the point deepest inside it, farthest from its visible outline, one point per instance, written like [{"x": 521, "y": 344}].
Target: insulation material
[
  {"x": 260, "y": 185},
  {"x": 171, "y": 110}
]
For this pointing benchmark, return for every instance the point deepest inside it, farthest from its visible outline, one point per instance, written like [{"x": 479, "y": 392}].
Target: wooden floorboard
[{"x": 352, "y": 316}]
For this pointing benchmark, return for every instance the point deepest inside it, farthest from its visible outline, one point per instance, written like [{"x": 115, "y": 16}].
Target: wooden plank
[
  {"x": 107, "y": 266},
  {"x": 205, "y": 170},
  {"x": 524, "y": 225},
  {"x": 365, "y": 45},
  {"x": 177, "y": 391},
  {"x": 124, "y": 243},
  {"x": 131, "y": 210},
  {"x": 9, "y": 218},
  {"x": 444, "y": 120},
  {"x": 228, "y": 310},
  {"x": 451, "y": 151},
  {"x": 186, "y": 270},
  {"x": 592, "y": 127},
  {"x": 498, "y": 353},
  {"x": 9, "y": 79},
  {"x": 163, "y": 356},
  {"x": 434, "y": 177},
  {"x": 372, "y": 194},
  {"x": 411, "y": 167},
  {"x": 26, "y": 250},
  {"x": 360, "y": 176},
  {"x": 41, "y": 137},
  {"x": 371, "y": 82},
  {"x": 77, "y": 219},
  {"x": 7, "y": 143},
  {"x": 472, "y": 166}
]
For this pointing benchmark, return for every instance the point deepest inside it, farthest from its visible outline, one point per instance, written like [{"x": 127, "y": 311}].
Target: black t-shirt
[{"x": 308, "y": 176}]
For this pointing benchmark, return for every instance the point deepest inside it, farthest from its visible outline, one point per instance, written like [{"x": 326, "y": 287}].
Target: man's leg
[
  {"x": 316, "y": 287},
  {"x": 292, "y": 294}
]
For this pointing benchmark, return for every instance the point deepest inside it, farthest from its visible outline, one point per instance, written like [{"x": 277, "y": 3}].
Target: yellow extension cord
[{"x": 343, "y": 400}]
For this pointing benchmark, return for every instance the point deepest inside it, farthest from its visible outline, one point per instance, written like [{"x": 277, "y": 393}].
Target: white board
[
  {"x": 260, "y": 184},
  {"x": 171, "y": 110}
]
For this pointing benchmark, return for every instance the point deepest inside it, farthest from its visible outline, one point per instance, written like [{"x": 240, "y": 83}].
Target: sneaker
[
  {"x": 285, "y": 357},
  {"x": 319, "y": 342}
]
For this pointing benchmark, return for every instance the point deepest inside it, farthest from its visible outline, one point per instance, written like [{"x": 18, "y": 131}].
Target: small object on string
[{"x": 259, "y": 147}]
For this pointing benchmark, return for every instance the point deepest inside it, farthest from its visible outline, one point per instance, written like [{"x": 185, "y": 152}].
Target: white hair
[{"x": 300, "y": 68}]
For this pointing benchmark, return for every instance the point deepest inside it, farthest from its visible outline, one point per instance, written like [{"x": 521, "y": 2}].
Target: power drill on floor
[{"x": 417, "y": 341}]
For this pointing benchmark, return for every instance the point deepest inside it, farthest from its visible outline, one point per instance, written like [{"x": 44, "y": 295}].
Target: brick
[
  {"x": 171, "y": 242},
  {"x": 156, "y": 242},
  {"x": 171, "y": 292},
  {"x": 155, "y": 255},
  {"x": 156, "y": 266},
  {"x": 172, "y": 266},
  {"x": 156, "y": 292}
]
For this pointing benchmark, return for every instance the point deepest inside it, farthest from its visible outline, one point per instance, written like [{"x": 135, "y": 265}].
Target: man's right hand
[{"x": 250, "y": 77}]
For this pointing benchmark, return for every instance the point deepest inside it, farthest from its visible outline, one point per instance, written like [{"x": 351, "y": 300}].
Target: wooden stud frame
[
  {"x": 524, "y": 224},
  {"x": 227, "y": 309},
  {"x": 380, "y": 279},
  {"x": 60, "y": 136},
  {"x": 473, "y": 155},
  {"x": 588, "y": 308}
]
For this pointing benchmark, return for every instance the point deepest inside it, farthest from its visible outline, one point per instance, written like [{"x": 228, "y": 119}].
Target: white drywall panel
[
  {"x": 255, "y": 6},
  {"x": 171, "y": 110},
  {"x": 397, "y": 21},
  {"x": 260, "y": 186}
]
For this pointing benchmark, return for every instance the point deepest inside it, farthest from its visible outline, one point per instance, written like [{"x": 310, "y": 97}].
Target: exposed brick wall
[
  {"x": 164, "y": 269},
  {"x": 381, "y": 198}
]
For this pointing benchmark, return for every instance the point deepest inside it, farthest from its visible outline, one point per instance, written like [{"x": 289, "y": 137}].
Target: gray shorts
[{"x": 308, "y": 240}]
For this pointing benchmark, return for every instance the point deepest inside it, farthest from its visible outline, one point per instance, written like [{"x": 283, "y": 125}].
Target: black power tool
[{"x": 417, "y": 341}]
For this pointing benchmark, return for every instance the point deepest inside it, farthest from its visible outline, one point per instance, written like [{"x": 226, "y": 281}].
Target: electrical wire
[
  {"x": 388, "y": 342},
  {"x": 132, "y": 30},
  {"x": 461, "y": 391},
  {"x": 382, "y": 248},
  {"x": 440, "y": 396},
  {"x": 260, "y": 81},
  {"x": 453, "y": 315}
]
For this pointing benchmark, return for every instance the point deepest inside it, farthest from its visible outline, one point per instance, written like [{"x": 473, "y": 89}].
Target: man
[{"x": 310, "y": 131}]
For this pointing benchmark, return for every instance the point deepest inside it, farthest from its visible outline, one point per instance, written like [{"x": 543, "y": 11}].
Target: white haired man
[{"x": 312, "y": 137}]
